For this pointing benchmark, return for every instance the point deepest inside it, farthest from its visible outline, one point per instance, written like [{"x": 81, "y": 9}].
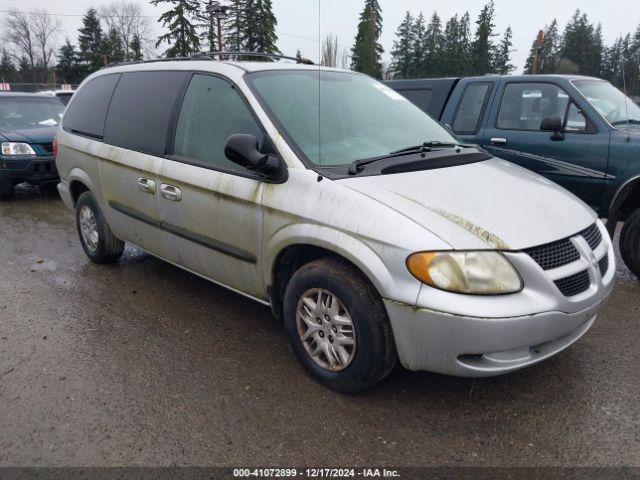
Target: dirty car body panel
[{"x": 231, "y": 226}]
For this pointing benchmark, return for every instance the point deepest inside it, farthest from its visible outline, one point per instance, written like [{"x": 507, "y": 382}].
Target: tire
[
  {"x": 630, "y": 243},
  {"x": 372, "y": 355},
  {"x": 7, "y": 190},
  {"x": 99, "y": 243}
]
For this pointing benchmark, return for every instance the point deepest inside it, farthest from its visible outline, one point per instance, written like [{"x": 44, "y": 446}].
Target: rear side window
[
  {"x": 141, "y": 109},
  {"x": 212, "y": 110},
  {"x": 420, "y": 98},
  {"x": 86, "y": 114},
  {"x": 469, "y": 115}
]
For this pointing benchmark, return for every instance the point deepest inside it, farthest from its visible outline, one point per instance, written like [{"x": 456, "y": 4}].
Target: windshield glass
[
  {"x": 610, "y": 102},
  {"x": 335, "y": 118},
  {"x": 23, "y": 111}
]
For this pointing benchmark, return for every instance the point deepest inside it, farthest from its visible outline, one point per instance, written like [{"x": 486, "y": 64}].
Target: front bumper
[
  {"x": 480, "y": 347},
  {"x": 38, "y": 169}
]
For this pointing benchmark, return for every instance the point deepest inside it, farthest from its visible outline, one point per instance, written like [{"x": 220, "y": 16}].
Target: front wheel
[
  {"x": 630, "y": 242},
  {"x": 98, "y": 242},
  {"x": 338, "y": 326}
]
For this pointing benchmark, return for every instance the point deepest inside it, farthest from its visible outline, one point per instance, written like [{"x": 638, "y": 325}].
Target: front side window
[
  {"x": 30, "y": 111},
  {"x": 335, "y": 118},
  {"x": 576, "y": 121},
  {"x": 212, "y": 111},
  {"x": 469, "y": 115},
  {"x": 524, "y": 105}
]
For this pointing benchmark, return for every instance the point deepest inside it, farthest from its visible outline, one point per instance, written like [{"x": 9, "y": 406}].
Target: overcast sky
[{"x": 302, "y": 22}]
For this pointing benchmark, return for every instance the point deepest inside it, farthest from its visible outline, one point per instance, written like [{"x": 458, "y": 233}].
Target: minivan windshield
[
  {"x": 618, "y": 109},
  {"x": 26, "y": 111},
  {"x": 336, "y": 118}
]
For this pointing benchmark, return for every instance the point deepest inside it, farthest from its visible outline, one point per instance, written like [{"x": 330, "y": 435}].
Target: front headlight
[
  {"x": 481, "y": 273},
  {"x": 17, "y": 148}
]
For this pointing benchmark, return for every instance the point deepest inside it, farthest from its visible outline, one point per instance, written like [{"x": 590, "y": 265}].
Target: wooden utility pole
[
  {"x": 538, "y": 59},
  {"x": 218, "y": 11}
]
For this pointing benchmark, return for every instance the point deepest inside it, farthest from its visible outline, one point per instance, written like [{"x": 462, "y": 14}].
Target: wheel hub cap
[
  {"x": 326, "y": 329},
  {"x": 88, "y": 228}
]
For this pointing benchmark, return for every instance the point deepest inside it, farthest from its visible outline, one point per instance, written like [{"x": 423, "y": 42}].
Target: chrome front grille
[{"x": 568, "y": 262}]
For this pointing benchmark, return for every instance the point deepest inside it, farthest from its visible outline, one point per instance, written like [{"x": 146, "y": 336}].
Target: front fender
[
  {"x": 389, "y": 275},
  {"x": 620, "y": 197}
]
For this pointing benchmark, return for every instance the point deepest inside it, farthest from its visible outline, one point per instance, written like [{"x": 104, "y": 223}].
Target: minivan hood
[
  {"x": 489, "y": 204},
  {"x": 29, "y": 134}
]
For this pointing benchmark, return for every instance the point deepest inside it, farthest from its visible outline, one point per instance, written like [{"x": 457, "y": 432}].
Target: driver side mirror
[
  {"x": 245, "y": 150},
  {"x": 553, "y": 124}
]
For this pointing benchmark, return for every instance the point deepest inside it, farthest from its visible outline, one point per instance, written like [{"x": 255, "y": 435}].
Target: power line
[{"x": 74, "y": 14}]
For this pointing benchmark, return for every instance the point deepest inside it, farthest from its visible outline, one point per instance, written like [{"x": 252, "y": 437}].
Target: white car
[
  {"x": 362, "y": 222},
  {"x": 63, "y": 95}
]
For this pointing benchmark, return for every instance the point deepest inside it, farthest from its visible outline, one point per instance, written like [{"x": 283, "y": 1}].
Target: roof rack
[
  {"x": 220, "y": 56},
  {"x": 275, "y": 56}
]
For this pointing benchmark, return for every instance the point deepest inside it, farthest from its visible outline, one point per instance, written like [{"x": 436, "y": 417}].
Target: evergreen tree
[
  {"x": 367, "y": 51},
  {"x": 25, "y": 70},
  {"x": 502, "y": 63},
  {"x": 8, "y": 72},
  {"x": 634, "y": 63},
  {"x": 90, "y": 42},
  {"x": 403, "y": 49},
  {"x": 69, "y": 68},
  {"x": 136, "y": 48},
  {"x": 235, "y": 26},
  {"x": 419, "y": 37},
  {"x": 464, "y": 50},
  {"x": 581, "y": 46},
  {"x": 434, "y": 39},
  {"x": 483, "y": 48},
  {"x": 112, "y": 47},
  {"x": 182, "y": 35},
  {"x": 209, "y": 35},
  {"x": 614, "y": 60},
  {"x": 550, "y": 54},
  {"x": 260, "y": 34}
]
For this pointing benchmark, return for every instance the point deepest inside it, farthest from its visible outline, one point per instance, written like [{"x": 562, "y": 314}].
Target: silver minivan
[{"x": 367, "y": 227}]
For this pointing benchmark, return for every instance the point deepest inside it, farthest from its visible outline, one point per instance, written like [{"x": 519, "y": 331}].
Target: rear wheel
[
  {"x": 7, "y": 190},
  {"x": 338, "y": 326},
  {"x": 98, "y": 242},
  {"x": 630, "y": 242}
]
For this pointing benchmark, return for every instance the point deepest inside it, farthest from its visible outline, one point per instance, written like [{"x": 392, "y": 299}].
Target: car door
[
  {"x": 210, "y": 205},
  {"x": 576, "y": 158},
  {"x": 135, "y": 136}
]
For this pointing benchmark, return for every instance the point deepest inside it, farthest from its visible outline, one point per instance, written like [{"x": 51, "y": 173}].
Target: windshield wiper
[
  {"x": 427, "y": 146},
  {"x": 357, "y": 165}
]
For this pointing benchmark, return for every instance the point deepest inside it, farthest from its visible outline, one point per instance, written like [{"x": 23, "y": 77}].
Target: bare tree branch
[
  {"x": 45, "y": 29},
  {"x": 19, "y": 36},
  {"x": 128, "y": 20}
]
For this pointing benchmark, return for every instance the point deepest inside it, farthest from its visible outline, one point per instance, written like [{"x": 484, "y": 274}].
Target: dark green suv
[{"x": 28, "y": 124}]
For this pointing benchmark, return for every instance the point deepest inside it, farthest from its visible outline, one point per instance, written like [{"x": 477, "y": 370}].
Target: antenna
[{"x": 626, "y": 99}]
